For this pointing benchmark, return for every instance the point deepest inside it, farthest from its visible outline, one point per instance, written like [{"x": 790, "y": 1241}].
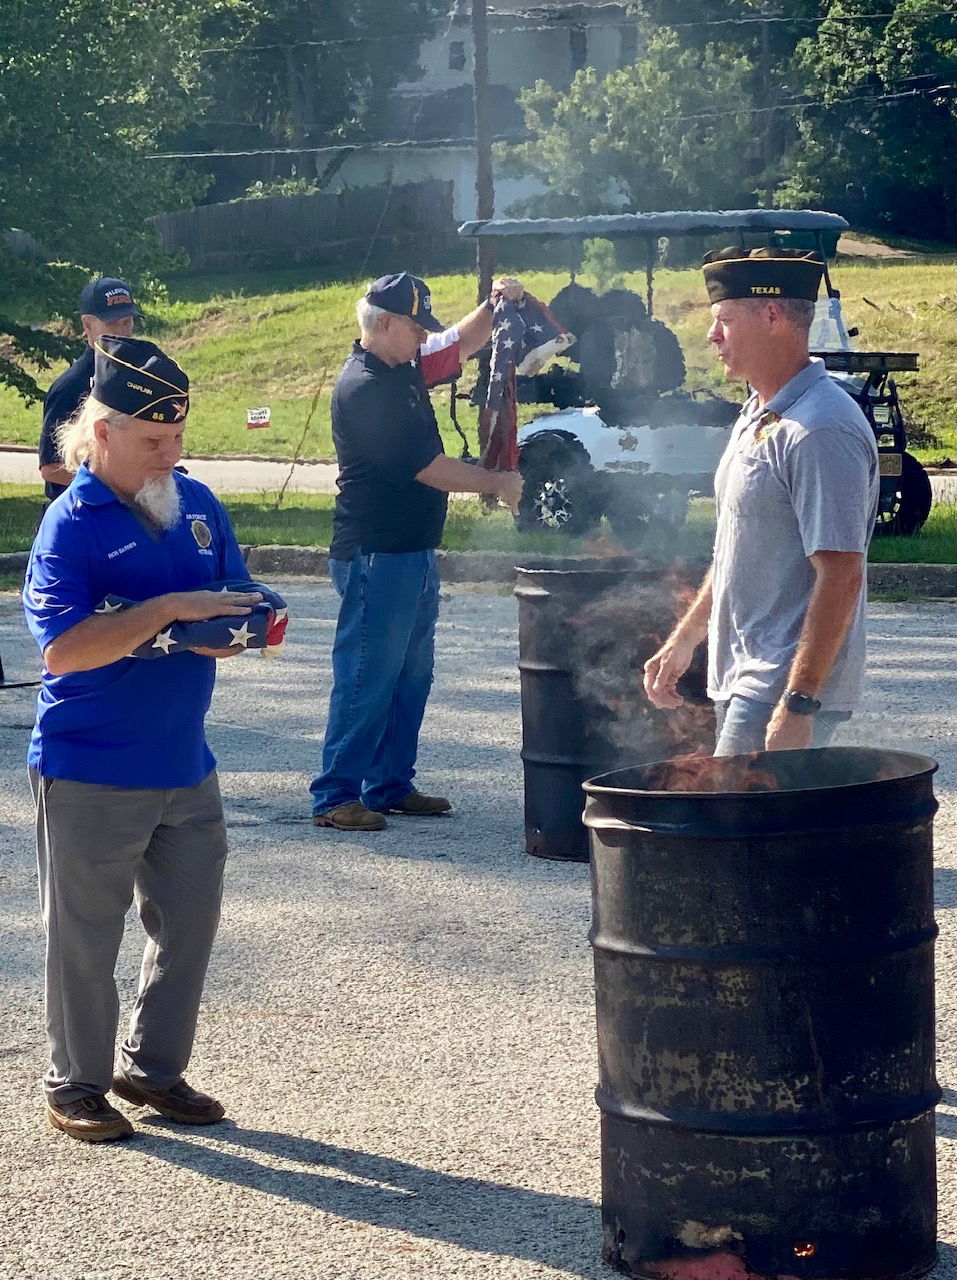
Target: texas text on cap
[
  {"x": 404, "y": 295},
  {"x": 134, "y": 377},
  {"x": 762, "y": 273},
  {"x": 108, "y": 298}
]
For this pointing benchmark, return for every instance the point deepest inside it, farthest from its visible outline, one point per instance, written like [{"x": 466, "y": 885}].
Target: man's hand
[
  {"x": 788, "y": 732},
  {"x": 507, "y": 287},
  {"x": 510, "y": 489},
  {"x": 665, "y": 668},
  {"x": 197, "y": 606}
]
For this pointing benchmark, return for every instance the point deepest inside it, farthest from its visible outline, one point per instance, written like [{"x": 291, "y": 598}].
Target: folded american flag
[
  {"x": 264, "y": 628},
  {"x": 524, "y": 335}
]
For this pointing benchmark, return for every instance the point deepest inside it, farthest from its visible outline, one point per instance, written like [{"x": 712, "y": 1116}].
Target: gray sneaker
[{"x": 90, "y": 1118}]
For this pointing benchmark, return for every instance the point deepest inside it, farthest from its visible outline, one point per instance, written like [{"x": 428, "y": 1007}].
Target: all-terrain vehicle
[{"x": 629, "y": 440}]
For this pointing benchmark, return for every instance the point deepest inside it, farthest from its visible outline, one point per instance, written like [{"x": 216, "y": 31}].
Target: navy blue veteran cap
[
  {"x": 134, "y": 377},
  {"x": 404, "y": 295},
  {"x": 762, "y": 273},
  {"x": 108, "y": 299}
]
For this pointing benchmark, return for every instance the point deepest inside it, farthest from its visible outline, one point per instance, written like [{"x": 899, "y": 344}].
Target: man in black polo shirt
[
  {"x": 106, "y": 307},
  {"x": 394, "y": 478}
]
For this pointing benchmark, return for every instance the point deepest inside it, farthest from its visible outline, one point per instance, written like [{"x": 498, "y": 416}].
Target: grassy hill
[{"x": 279, "y": 338}]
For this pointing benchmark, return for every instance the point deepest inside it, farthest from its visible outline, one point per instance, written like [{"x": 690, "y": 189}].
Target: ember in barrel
[{"x": 765, "y": 999}]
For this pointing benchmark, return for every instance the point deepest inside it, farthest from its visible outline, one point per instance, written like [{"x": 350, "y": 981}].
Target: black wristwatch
[{"x": 801, "y": 704}]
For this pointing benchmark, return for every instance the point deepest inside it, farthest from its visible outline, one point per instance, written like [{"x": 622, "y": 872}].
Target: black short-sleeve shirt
[
  {"x": 63, "y": 399},
  {"x": 385, "y": 433}
]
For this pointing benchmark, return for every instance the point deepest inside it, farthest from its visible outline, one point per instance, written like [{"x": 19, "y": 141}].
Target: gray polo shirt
[{"x": 798, "y": 476}]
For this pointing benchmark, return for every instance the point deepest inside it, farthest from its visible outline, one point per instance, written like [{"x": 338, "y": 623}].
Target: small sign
[{"x": 257, "y": 418}]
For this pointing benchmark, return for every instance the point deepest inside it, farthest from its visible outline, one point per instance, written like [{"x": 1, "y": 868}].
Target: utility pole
[{"x": 484, "y": 184}]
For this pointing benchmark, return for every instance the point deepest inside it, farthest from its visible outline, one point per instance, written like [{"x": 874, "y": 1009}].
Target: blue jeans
[
  {"x": 382, "y": 662},
  {"x": 742, "y": 724}
]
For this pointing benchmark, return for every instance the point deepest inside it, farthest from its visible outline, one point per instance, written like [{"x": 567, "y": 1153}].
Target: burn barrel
[
  {"x": 585, "y": 628},
  {"x": 763, "y": 936}
]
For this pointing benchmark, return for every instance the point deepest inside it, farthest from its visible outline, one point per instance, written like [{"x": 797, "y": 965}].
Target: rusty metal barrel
[
  {"x": 585, "y": 628},
  {"x": 763, "y": 934}
]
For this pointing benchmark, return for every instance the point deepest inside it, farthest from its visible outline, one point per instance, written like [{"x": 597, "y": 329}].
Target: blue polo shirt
[{"x": 132, "y": 723}]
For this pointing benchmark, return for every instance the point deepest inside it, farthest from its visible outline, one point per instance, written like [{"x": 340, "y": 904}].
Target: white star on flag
[
  {"x": 536, "y": 328},
  {"x": 106, "y": 607},
  {"x": 241, "y": 635},
  {"x": 164, "y": 641},
  {"x": 508, "y": 344}
]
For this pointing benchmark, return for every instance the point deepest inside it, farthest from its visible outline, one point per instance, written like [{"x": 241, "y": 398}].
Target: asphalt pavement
[{"x": 401, "y": 1024}]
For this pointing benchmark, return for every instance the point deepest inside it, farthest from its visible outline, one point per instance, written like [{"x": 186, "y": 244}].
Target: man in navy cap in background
[
  {"x": 784, "y": 603},
  {"x": 106, "y": 307},
  {"x": 394, "y": 481},
  {"x": 127, "y": 798}
]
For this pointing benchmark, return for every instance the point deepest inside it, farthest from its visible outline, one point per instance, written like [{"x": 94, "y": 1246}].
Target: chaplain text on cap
[
  {"x": 762, "y": 273},
  {"x": 134, "y": 377}
]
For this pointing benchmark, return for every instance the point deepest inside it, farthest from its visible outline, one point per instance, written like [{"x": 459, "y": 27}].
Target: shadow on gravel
[{"x": 486, "y": 1217}]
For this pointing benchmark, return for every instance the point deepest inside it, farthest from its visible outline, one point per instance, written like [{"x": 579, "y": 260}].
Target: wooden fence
[{"x": 352, "y": 227}]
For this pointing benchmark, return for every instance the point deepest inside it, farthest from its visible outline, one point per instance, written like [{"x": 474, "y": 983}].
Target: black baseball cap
[
  {"x": 764, "y": 274},
  {"x": 404, "y": 295},
  {"x": 134, "y": 377},
  {"x": 108, "y": 298}
]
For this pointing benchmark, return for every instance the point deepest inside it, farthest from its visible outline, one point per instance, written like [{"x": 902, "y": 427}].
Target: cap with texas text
[{"x": 762, "y": 274}]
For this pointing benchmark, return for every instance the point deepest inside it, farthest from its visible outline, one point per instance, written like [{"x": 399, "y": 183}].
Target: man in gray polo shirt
[{"x": 783, "y": 605}]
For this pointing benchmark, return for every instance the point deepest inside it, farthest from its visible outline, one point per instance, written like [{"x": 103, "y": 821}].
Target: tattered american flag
[
  {"x": 524, "y": 335},
  {"x": 264, "y": 628}
]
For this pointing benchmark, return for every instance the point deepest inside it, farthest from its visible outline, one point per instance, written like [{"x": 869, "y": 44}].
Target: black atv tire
[
  {"x": 626, "y": 508},
  {"x": 912, "y": 503},
  {"x": 562, "y": 491}
]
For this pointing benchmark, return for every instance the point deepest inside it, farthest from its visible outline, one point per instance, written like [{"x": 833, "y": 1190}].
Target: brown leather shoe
[
  {"x": 350, "y": 817},
  {"x": 180, "y": 1102},
  {"x": 416, "y": 805},
  {"x": 90, "y": 1118}
]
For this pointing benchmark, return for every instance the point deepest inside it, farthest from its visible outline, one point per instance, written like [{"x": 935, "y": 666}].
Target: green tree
[
  {"x": 879, "y": 144},
  {"x": 86, "y": 89},
  {"x": 671, "y": 131},
  {"x": 308, "y": 72}
]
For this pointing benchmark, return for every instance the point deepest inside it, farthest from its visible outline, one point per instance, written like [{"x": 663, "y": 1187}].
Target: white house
[{"x": 432, "y": 115}]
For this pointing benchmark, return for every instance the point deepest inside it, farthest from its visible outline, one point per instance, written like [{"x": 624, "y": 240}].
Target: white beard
[{"x": 159, "y": 498}]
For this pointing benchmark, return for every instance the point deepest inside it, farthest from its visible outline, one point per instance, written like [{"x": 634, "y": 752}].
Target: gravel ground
[{"x": 402, "y": 1023}]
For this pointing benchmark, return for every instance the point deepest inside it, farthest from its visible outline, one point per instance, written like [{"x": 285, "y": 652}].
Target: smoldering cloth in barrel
[
  {"x": 610, "y": 639},
  {"x": 264, "y": 628}
]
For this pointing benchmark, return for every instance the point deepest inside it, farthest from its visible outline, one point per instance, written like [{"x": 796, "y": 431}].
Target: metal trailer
[{"x": 635, "y": 456}]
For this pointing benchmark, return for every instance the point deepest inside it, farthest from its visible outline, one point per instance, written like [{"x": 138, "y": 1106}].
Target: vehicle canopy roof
[{"x": 676, "y": 223}]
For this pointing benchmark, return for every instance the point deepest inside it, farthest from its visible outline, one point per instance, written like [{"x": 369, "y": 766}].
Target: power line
[
  {"x": 403, "y": 144},
  {"x": 757, "y": 19},
  {"x": 411, "y": 144}
]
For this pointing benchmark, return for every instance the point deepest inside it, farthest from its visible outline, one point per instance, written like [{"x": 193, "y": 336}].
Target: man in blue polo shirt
[
  {"x": 106, "y": 307},
  {"x": 394, "y": 481},
  {"x": 127, "y": 798}
]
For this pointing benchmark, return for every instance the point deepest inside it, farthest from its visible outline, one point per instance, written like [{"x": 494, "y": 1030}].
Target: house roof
[{"x": 678, "y": 222}]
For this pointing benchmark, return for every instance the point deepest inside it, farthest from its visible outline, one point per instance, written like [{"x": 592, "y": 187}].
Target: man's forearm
[
  {"x": 106, "y": 637},
  {"x": 451, "y": 475},
  {"x": 56, "y": 473},
  {"x": 474, "y": 330},
  {"x": 830, "y": 611},
  {"x": 692, "y": 626}
]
